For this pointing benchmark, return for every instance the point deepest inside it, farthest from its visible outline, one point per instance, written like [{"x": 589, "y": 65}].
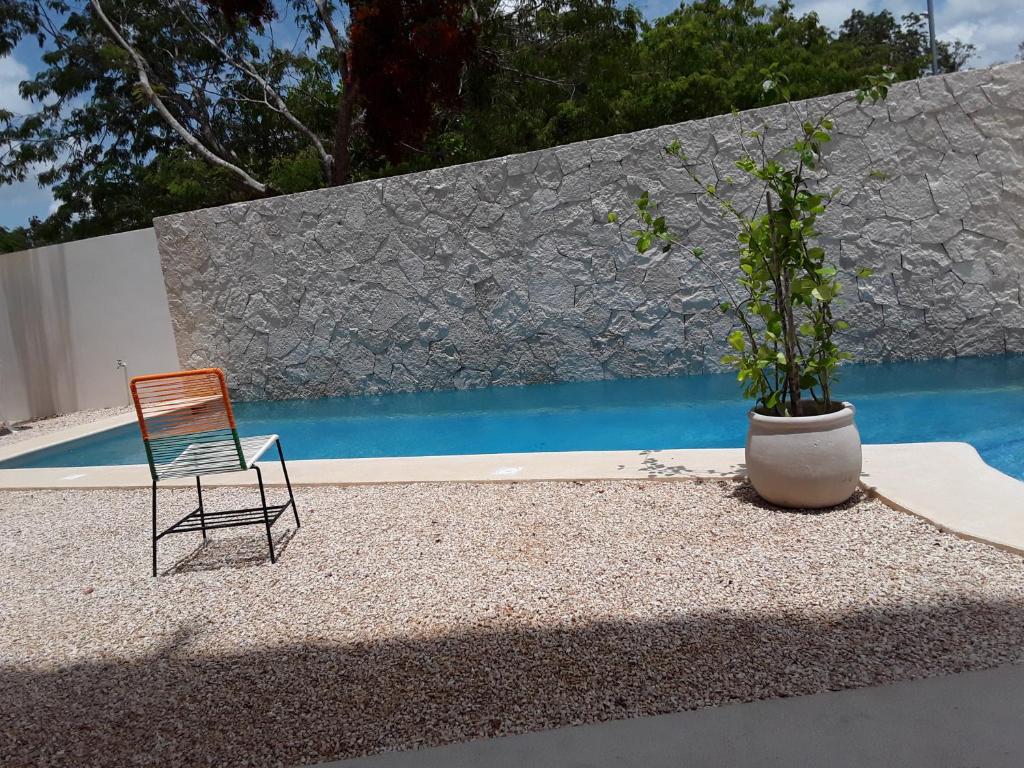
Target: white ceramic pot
[{"x": 807, "y": 461}]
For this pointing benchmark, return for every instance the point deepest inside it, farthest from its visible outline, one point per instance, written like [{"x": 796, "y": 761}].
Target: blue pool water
[{"x": 977, "y": 400}]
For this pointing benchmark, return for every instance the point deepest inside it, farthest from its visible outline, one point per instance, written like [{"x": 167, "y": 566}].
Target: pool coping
[{"x": 948, "y": 484}]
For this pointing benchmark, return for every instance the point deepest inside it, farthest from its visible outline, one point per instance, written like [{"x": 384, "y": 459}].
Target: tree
[
  {"x": 877, "y": 38},
  {"x": 781, "y": 295},
  {"x": 98, "y": 139},
  {"x": 13, "y": 240},
  {"x": 149, "y": 107},
  {"x": 545, "y": 72},
  {"x": 426, "y": 44},
  {"x": 550, "y": 73},
  {"x": 208, "y": 77},
  {"x": 707, "y": 58}
]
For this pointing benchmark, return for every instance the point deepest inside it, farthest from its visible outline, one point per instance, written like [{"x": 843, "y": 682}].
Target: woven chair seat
[{"x": 212, "y": 456}]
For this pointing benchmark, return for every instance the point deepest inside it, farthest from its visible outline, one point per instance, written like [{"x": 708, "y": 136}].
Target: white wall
[{"x": 68, "y": 312}]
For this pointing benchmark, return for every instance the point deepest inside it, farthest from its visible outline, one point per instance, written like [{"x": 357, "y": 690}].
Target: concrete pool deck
[
  {"x": 947, "y": 484},
  {"x": 965, "y": 719}
]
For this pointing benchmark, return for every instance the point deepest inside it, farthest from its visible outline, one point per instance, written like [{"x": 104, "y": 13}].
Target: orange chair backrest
[{"x": 182, "y": 408}]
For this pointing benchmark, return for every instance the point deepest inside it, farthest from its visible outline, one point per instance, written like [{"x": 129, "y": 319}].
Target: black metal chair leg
[
  {"x": 266, "y": 513},
  {"x": 284, "y": 468},
  {"x": 154, "y": 528},
  {"x": 202, "y": 514}
]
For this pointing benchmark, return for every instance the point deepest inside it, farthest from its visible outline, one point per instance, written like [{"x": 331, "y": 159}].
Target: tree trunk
[
  {"x": 792, "y": 374},
  {"x": 341, "y": 168}
]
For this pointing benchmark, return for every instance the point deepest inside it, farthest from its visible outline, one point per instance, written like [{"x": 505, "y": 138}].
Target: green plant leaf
[{"x": 823, "y": 292}]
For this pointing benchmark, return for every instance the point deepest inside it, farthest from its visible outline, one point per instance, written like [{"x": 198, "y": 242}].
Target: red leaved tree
[
  {"x": 406, "y": 59},
  {"x": 253, "y": 12}
]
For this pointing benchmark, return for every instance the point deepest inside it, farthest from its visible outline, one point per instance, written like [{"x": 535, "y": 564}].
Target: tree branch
[
  {"x": 332, "y": 30},
  {"x": 142, "y": 70},
  {"x": 273, "y": 98},
  {"x": 496, "y": 60}
]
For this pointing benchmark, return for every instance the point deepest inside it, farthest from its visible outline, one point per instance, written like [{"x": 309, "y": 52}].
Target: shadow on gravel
[
  {"x": 237, "y": 551},
  {"x": 653, "y": 464},
  {"x": 305, "y": 703},
  {"x": 746, "y": 493}
]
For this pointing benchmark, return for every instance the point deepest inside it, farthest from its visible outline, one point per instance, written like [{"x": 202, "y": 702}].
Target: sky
[{"x": 994, "y": 26}]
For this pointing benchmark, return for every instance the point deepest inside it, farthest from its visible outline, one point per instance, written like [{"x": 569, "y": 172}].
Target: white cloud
[
  {"x": 12, "y": 72},
  {"x": 831, "y": 12},
  {"x": 994, "y": 26}
]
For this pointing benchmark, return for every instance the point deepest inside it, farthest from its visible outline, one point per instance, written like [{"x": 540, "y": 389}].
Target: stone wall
[{"x": 507, "y": 271}]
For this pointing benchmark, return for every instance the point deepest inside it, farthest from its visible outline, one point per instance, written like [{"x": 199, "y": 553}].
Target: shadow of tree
[
  {"x": 310, "y": 702},
  {"x": 655, "y": 468}
]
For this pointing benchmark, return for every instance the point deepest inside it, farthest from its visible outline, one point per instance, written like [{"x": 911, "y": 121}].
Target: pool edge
[
  {"x": 947, "y": 484},
  {"x": 698, "y": 463},
  {"x": 950, "y": 486}
]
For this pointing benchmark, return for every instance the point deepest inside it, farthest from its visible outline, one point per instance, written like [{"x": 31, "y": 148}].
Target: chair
[{"x": 189, "y": 429}]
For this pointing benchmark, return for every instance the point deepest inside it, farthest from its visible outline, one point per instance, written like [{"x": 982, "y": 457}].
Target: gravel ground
[
  {"x": 403, "y": 616},
  {"x": 26, "y": 430}
]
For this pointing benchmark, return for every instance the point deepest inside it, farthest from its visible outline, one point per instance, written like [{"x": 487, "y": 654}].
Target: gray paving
[{"x": 970, "y": 720}]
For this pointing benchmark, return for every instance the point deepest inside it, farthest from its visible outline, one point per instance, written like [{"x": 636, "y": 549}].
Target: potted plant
[{"x": 803, "y": 448}]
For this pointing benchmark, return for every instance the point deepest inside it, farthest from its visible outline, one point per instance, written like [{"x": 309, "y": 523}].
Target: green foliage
[
  {"x": 169, "y": 183},
  {"x": 296, "y": 173},
  {"x": 784, "y": 289},
  {"x": 112, "y": 162},
  {"x": 13, "y": 240},
  {"x": 545, "y": 73},
  {"x": 868, "y": 40},
  {"x": 705, "y": 58}
]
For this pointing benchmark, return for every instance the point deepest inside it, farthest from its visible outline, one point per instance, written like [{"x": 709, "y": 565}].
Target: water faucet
[{"x": 121, "y": 364}]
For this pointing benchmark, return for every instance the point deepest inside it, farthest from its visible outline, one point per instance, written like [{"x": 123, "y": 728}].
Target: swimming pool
[{"x": 976, "y": 400}]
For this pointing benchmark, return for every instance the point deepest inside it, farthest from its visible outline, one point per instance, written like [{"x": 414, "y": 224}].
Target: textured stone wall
[{"x": 507, "y": 272}]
